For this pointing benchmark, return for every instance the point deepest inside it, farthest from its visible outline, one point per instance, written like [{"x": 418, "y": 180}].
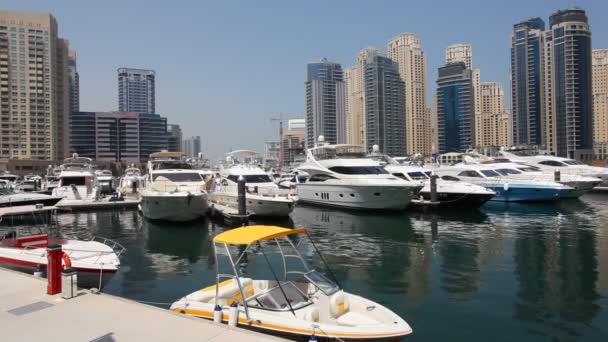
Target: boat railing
[{"x": 116, "y": 247}]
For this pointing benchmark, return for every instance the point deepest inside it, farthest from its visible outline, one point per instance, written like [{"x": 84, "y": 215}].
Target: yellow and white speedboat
[{"x": 301, "y": 303}]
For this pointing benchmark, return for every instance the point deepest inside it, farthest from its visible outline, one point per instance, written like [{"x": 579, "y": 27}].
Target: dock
[
  {"x": 27, "y": 313},
  {"x": 103, "y": 204},
  {"x": 230, "y": 215}
]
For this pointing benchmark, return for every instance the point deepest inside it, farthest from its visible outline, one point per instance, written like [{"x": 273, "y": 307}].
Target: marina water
[{"x": 508, "y": 272}]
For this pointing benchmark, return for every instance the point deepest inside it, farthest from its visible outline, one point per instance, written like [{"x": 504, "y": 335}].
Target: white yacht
[
  {"x": 173, "y": 190},
  {"x": 132, "y": 180},
  {"x": 343, "y": 176},
  {"x": 564, "y": 165},
  {"x": 105, "y": 182},
  {"x": 77, "y": 180},
  {"x": 29, "y": 183},
  {"x": 51, "y": 180},
  {"x": 264, "y": 198},
  {"x": 10, "y": 198},
  {"x": 11, "y": 178}
]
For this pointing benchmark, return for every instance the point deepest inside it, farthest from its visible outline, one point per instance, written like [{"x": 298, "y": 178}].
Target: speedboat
[
  {"x": 132, "y": 180},
  {"x": 23, "y": 247},
  {"x": 263, "y": 196},
  {"x": 29, "y": 183},
  {"x": 344, "y": 176},
  {"x": 9, "y": 177},
  {"x": 105, "y": 182},
  {"x": 506, "y": 189},
  {"x": 76, "y": 181},
  {"x": 173, "y": 190},
  {"x": 11, "y": 198},
  {"x": 299, "y": 302},
  {"x": 566, "y": 166}
]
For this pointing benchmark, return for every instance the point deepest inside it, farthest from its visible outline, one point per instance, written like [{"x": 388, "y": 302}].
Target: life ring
[{"x": 67, "y": 263}]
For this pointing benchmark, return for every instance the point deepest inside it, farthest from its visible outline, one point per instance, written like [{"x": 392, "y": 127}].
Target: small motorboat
[
  {"x": 299, "y": 302},
  {"x": 23, "y": 246},
  {"x": 11, "y": 198}
]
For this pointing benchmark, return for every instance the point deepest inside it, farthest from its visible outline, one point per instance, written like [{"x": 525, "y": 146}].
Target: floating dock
[
  {"x": 230, "y": 215},
  {"x": 70, "y": 205},
  {"x": 27, "y": 313}
]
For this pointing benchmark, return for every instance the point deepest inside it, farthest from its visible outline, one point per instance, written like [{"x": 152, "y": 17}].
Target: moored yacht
[
  {"x": 105, "y": 182},
  {"x": 11, "y": 198},
  {"x": 344, "y": 176},
  {"x": 263, "y": 196},
  {"x": 51, "y": 179},
  {"x": 132, "y": 180},
  {"x": 173, "y": 190},
  {"x": 77, "y": 181}
]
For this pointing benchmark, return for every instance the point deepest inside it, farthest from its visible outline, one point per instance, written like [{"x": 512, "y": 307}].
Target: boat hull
[
  {"x": 256, "y": 205},
  {"x": 31, "y": 201},
  {"x": 518, "y": 193},
  {"x": 356, "y": 197},
  {"x": 456, "y": 200},
  {"x": 179, "y": 207}
]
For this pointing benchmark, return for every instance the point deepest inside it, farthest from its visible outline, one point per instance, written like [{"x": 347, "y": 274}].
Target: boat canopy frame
[{"x": 252, "y": 236}]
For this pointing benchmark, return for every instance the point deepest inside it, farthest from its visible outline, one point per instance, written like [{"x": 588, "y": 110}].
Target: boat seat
[
  {"x": 353, "y": 319},
  {"x": 228, "y": 290},
  {"x": 338, "y": 304},
  {"x": 312, "y": 315}
]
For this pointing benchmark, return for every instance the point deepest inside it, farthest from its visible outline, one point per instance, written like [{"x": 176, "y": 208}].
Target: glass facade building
[
  {"x": 455, "y": 108},
  {"x": 325, "y": 103}
]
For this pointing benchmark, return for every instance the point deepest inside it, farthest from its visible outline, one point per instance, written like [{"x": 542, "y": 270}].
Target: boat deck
[{"x": 27, "y": 313}]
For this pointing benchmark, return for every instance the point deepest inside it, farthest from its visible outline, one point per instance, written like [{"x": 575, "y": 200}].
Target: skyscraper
[
  {"x": 192, "y": 146},
  {"x": 527, "y": 113},
  {"x": 384, "y": 106},
  {"x": 136, "y": 90},
  {"x": 33, "y": 87},
  {"x": 355, "y": 99},
  {"x": 74, "y": 83},
  {"x": 494, "y": 125},
  {"x": 175, "y": 137},
  {"x": 325, "y": 103},
  {"x": 455, "y": 108},
  {"x": 600, "y": 96},
  {"x": 464, "y": 53},
  {"x": 405, "y": 49},
  {"x": 568, "y": 85}
]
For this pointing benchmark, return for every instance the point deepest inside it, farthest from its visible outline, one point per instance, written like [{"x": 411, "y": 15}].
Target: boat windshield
[
  {"x": 334, "y": 152},
  {"x": 359, "y": 170},
  {"x": 171, "y": 165},
  {"x": 67, "y": 181},
  {"x": 490, "y": 173},
  {"x": 9, "y": 178},
  {"x": 572, "y": 162},
  {"x": 251, "y": 178},
  {"x": 323, "y": 283},
  {"x": 528, "y": 169},
  {"x": 179, "y": 177},
  {"x": 506, "y": 172},
  {"x": 274, "y": 299},
  {"x": 417, "y": 175}
]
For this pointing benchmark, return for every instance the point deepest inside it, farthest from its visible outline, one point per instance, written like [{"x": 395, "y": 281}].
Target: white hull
[
  {"x": 356, "y": 197},
  {"x": 177, "y": 206},
  {"x": 256, "y": 204}
]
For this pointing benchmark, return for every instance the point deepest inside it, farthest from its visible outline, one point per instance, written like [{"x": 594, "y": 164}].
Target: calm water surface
[{"x": 506, "y": 273}]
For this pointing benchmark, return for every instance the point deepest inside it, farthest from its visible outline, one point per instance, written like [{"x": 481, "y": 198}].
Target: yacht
[
  {"x": 263, "y": 196},
  {"x": 132, "y": 180},
  {"x": 11, "y": 178},
  {"x": 51, "y": 179},
  {"x": 291, "y": 180},
  {"x": 506, "y": 189},
  {"x": 77, "y": 181},
  {"x": 11, "y": 198},
  {"x": 105, "y": 182},
  {"x": 29, "y": 183},
  {"x": 344, "y": 176},
  {"x": 566, "y": 166},
  {"x": 173, "y": 190}
]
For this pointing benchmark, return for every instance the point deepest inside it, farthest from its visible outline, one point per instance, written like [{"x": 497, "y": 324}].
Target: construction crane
[{"x": 280, "y": 120}]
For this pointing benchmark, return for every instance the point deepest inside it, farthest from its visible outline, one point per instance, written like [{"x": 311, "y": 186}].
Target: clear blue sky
[{"x": 225, "y": 67}]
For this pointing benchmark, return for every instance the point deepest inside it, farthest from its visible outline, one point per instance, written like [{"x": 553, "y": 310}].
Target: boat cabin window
[
  {"x": 274, "y": 299},
  {"x": 490, "y": 173},
  {"x": 528, "y": 169},
  {"x": 469, "y": 173},
  {"x": 251, "y": 178},
  {"x": 400, "y": 175},
  {"x": 506, "y": 172},
  {"x": 417, "y": 175},
  {"x": 320, "y": 178},
  {"x": 67, "y": 181},
  {"x": 428, "y": 173},
  {"x": 572, "y": 162},
  {"x": 319, "y": 280},
  {"x": 552, "y": 163},
  {"x": 9, "y": 178},
  {"x": 450, "y": 178},
  {"x": 179, "y": 177},
  {"x": 359, "y": 170},
  {"x": 168, "y": 165}
]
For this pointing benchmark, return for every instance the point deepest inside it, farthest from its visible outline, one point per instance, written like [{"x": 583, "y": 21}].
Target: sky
[{"x": 224, "y": 68}]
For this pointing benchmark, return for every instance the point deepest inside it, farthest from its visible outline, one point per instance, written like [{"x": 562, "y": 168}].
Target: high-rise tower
[{"x": 136, "y": 91}]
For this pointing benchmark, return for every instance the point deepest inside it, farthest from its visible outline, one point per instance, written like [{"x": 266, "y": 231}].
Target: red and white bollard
[{"x": 53, "y": 269}]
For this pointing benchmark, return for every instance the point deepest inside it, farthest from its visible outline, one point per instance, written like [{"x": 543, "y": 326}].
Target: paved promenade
[{"x": 27, "y": 313}]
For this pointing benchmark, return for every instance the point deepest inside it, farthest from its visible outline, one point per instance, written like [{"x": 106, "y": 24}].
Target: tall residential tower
[
  {"x": 600, "y": 98},
  {"x": 74, "y": 82},
  {"x": 136, "y": 90},
  {"x": 355, "y": 99}
]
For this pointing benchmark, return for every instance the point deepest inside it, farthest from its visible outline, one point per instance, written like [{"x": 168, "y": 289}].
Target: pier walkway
[{"x": 27, "y": 313}]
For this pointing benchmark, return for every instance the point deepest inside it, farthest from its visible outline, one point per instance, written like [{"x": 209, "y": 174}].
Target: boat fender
[
  {"x": 217, "y": 314},
  {"x": 233, "y": 315},
  {"x": 506, "y": 187},
  {"x": 67, "y": 263}
]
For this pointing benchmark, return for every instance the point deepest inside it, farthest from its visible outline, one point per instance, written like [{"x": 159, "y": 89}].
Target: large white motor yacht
[
  {"x": 343, "y": 176},
  {"x": 77, "y": 181},
  {"x": 173, "y": 190},
  {"x": 263, "y": 196},
  {"x": 131, "y": 181}
]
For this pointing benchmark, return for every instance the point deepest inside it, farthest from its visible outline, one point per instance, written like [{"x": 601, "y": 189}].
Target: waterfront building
[
  {"x": 600, "y": 97},
  {"x": 117, "y": 136},
  {"x": 494, "y": 120},
  {"x": 355, "y": 99},
  {"x": 34, "y": 88},
  {"x": 405, "y": 49},
  {"x": 296, "y": 124},
  {"x": 325, "y": 103},
  {"x": 175, "y": 137},
  {"x": 384, "y": 106},
  {"x": 455, "y": 108},
  {"x": 136, "y": 90},
  {"x": 527, "y": 91},
  {"x": 192, "y": 146},
  {"x": 568, "y": 86},
  {"x": 464, "y": 53},
  {"x": 74, "y": 83},
  {"x": 293, "y": 147}
]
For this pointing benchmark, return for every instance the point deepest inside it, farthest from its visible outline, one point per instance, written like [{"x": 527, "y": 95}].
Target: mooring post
[
  {"x": 433, "y": 188},
  {"x": 242, "y": 196},
  {"x": 53, "y": 269}
]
